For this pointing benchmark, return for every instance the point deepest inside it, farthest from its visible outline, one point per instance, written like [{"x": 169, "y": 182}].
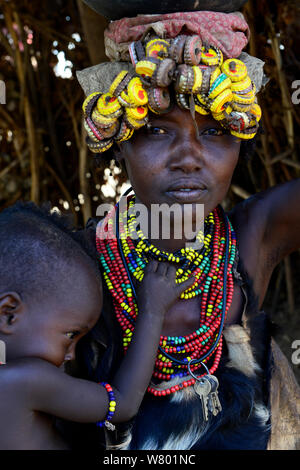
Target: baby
[{"x": 50, "y": 297}]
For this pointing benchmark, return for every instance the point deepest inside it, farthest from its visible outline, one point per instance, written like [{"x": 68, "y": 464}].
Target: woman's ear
[
  {"x": 11, "y": 307},
  {"x": 118, "y": 153},
  {"x": 119, "y": 157}
]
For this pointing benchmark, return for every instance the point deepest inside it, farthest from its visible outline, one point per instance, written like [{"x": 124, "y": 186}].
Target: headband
[{"x": 198, "y": 55}]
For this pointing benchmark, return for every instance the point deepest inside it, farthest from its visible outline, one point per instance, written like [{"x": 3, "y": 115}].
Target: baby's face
[{"x": 52, "y": 331}]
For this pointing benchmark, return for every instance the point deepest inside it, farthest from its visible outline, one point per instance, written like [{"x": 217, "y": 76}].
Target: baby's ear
[{"x": 11, "y": 307}]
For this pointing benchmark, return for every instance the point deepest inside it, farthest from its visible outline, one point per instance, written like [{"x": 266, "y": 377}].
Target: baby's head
[{"x": 50, "y": 289}]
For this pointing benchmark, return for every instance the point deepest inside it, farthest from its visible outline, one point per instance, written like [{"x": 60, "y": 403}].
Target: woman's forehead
[{"x": 181, "y": 116}]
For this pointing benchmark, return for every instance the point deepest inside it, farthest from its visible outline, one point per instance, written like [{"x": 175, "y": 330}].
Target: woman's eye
[
  {"x": 155, "y": 130},
  {"x": 72, "y": 334},
  {"x": 213, "y": 131}
]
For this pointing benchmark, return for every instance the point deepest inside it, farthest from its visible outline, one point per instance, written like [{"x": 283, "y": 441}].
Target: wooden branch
[
  {"x": 9, "y": 120},
  {"x": 34, "y": 161},
  {"x": 63, "y": 188},
  {"x": 8, "y": 168},
  {"x": 84, "y": 189},
  {"x": 291, "y": 163},
  {"x": 7, "y": 10},
  {"x": 267, "y": 153},
  {"x": 69, "y": 105},
  {"x": 281, "y": 156},
  {"x": 285, "y": 94},
  {"x": 47, "y": 30},
  {"x": 240, "y": 191},
  {"x": 4, "y": 42}
]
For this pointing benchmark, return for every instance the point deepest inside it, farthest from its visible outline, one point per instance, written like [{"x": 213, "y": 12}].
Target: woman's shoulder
[
  {"x": 249, "y": 219},
  {"x": 251, "y": 209},
  {"x": 87, "y": 235},
  {"x": 92, "y": 223}
]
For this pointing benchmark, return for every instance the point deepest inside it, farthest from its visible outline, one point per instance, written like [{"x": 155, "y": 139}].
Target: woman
[{"x": 179, "y": 133}]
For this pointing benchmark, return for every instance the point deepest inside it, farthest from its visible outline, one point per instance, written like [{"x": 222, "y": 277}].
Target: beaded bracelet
[{"x": 111, "y": 408}]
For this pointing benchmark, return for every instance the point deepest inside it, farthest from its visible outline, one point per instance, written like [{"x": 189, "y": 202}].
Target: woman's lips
[{"x": 186, "y": 194}]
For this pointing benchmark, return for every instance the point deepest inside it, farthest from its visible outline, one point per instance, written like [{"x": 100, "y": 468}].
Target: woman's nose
[
  {"x": 187, "y": 158},
  {"x": 186, "y": 163},
  {"x": 187, "y": 154}
]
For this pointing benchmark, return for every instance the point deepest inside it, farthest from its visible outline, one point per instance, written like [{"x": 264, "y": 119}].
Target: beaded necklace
[{"x": 123, "y": 257}]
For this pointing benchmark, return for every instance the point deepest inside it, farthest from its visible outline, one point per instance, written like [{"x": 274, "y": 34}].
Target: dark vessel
[{"x": 116, "y": 9}]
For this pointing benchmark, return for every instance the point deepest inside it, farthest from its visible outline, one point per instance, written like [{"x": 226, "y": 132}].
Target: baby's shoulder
[{"x": 22, "y": 372}]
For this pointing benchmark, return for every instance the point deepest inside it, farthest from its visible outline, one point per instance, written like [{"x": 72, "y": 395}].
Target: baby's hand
[{"x": 158, "y": 291}]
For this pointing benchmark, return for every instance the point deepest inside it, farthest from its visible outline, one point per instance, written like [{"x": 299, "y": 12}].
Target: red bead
[{"x": 192, "y": 345}]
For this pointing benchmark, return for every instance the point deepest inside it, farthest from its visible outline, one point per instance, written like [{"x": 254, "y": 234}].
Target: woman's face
[{"x": 170, "y": 161}]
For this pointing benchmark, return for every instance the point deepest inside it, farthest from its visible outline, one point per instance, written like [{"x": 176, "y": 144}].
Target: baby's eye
[
  {"x": 72, "y": 334},
  {"x": 213, "y": 131}
]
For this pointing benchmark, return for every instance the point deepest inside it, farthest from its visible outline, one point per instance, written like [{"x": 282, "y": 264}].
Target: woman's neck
[
  {"x": 171, "y": 245},
  {"x": 169, "y": 232}
]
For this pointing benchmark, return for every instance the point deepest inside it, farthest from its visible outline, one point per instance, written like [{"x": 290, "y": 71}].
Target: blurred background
[{"x": 43, "y": 156}]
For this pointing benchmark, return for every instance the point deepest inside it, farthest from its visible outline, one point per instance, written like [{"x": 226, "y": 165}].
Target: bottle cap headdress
[{"x": 197, "y": 54}]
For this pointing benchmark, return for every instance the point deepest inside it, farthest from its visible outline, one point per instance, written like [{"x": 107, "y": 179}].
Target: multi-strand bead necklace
[{"x": 125, "y": 256}]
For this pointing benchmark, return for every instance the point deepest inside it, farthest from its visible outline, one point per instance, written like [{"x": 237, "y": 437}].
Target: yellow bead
[
  {"x": 197, "y": 80},
  {"x": 88, "y": 99},
  {"x": 214, "y": 74},
  {"x": 223, "y": 85},
  {"x": 137, "y": 94},
  {"x": 235, "y": 69},
  {"x": 108, "y": 104},
  {"x": 117, "y": 81},
  {"x": 145, "y": 67},
  {"x": 256, "y": 111},
  {"x": 211, "y": 57},
  {"x": 156, "y": 47},
  {"x": 243, "y": 136},
  {"x": 137, "y": 113},
  {"x": 241, "y": 85}
]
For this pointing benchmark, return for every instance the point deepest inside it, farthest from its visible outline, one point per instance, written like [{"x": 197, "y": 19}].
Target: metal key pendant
[
  {"x": 213, "y": 399},
  {"x": 203, "y": 387},
  {"x": 210, "y": 400},
  {"x": 211, "y": 404}
]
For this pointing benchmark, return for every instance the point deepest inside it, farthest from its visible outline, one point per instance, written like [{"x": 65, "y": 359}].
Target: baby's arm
[{"x": 51, "y": 391}]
